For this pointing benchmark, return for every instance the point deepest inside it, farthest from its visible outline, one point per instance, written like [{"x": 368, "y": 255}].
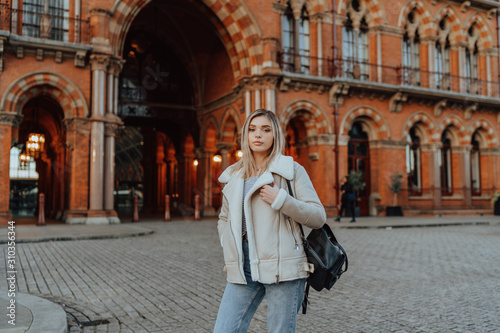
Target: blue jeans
[{"x": 240, "y": 302}]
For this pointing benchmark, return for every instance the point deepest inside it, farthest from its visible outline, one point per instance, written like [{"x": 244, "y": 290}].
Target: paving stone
[{"x": 440, "y": 279}]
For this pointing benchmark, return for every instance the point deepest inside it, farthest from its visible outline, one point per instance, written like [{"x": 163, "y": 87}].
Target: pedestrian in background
[
  {"x": 258, "y": 229},
  {"x": 348, "y": 200}
]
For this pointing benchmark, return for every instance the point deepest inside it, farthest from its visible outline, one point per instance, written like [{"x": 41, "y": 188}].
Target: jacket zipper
[
  {"x": 293, "y": 233},
  {"x": 279, "y": 254}
]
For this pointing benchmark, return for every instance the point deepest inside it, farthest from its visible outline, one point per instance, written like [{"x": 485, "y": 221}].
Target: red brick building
[{"x": 140, "y": 96}]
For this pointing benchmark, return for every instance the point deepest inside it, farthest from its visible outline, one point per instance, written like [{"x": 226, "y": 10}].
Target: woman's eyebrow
[{"x": 260, "y": 126}]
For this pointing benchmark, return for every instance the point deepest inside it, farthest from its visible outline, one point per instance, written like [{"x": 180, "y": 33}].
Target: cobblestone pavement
[{"x": 443, "y": 279}]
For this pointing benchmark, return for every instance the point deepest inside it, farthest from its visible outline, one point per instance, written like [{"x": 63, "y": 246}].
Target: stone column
[
  {"x": 205, "y": 179},
  {"x": 96, "y": 213},
  {"x": 225, "y": 149},
  {"x": 185, "y": 167},
  {"x": 112, "y": 127},
  {"x": 8, "y": 121},
  {"x": 464, "y": 152},
  {"x": 248, "y": 102},
  {"x": 257, "y": 99},
  {"x": 77, "y": 176},
  {"x": 58, "y": 168},
  {"x": 111, "y": 130},
  {"x": 436, "y": 155}
]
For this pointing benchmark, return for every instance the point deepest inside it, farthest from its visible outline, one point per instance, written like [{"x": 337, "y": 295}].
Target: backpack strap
[{"x": 305, "y": 300}]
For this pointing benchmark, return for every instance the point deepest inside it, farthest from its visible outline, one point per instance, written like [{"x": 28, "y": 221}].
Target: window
[
  {"x": 32, "y": 17},
  {"x": 304, "y": 37},
  {"x": 411, "y": 53},
  {"x": 40, "y": 20},
  {"x": 413, "y": 163},
  {"x": 471, "y": 64},
  {"x": 446, "y": 164},
  {"x": 475, "y": 167},
  {"x": 355, "y": 50},
  {"x": 442, "y": 58},
  {"x": 296, "y": 41},
  {"x": 287, "y": 24}
]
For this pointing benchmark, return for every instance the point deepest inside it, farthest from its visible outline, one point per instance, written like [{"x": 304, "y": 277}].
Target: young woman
[{"x": 258, "y": 229}]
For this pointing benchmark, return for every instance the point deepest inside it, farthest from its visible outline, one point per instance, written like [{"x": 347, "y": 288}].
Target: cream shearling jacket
[{"x": 274, "y": 239}]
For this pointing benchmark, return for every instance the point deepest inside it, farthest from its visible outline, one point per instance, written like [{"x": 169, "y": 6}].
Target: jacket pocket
[{"x": 229, "y": 245}]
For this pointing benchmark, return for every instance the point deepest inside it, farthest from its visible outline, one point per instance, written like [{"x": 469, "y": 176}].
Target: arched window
[
  {"x": 296, "y": 44},
  {"x": 355, "y": 50},
  {"x": 475, "y": 165},
  {"x": 442, "y": 57},
  {"x": 411, "y": 52},
  {"x": 413, "y": 163},
  {"x": 471, "y": 62},
  {"x": 304, "y": 42},
  {"x": 287, "y": 39},
  {"x": 446, "y": 164}
]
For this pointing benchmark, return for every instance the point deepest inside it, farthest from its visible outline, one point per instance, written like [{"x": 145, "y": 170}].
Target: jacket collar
[{"x": 282, "y": 165}]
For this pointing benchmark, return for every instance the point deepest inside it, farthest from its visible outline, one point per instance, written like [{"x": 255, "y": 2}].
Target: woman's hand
[{"x": 268, "y": 193}]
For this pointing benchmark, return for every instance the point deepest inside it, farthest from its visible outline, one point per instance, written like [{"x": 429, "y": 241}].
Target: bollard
[
  {"x": 135, "y": 217},
  {"x": 167, "y": 208},
  {"x": 41, "y": 210},
  {"x": 197, "y": 207}
]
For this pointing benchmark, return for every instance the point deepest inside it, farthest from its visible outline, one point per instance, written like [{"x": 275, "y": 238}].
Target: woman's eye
[
  {"x": 251, "y": 130},
  {"x": 267, "y": 130}
]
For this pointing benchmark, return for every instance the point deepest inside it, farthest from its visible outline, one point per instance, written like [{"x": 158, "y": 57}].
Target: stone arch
[
  {"x": 487, "y": 131},
  {"x": 485, "y": 39},
  {"x": 456, "y": 32},
  {"x": 236, "y": 26},
  {"x": 374, "y": 9},
  {"x": 210, "y": 129},
  {"x": 461, "y": 135},
  {"x": 427, "y": 126},
  {"x": 230, "y": 122},
  {"x": 317, "y": 121},
  {"x": 427, "y": 26},
  {"x": 54, "y": 85},
  {"x": 379, "y": 129}
]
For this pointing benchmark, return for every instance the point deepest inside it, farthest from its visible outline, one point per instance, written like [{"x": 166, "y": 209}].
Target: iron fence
[{"x": 397, "y": 75}]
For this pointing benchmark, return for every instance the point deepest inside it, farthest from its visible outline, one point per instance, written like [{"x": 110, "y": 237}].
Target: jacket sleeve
[
  {"x": 222, "y": 222},
  {"x": 305, "y": 207}
]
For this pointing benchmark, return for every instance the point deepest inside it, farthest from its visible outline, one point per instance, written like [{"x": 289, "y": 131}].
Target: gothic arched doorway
[
  {"x": 43, "y": 171},
  {"x": 176, "y": 68},
  {"x": 359, "y": 160}
]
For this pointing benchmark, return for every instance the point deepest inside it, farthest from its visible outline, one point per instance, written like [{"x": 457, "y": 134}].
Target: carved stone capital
[
  {"x": 279, "y": 7},
  {"x": 439, "y": 107},
  {"x": 80, "y": 58},
  {"x": 80, "y": 125},
  {"x": 10, "y": 119},
  {"x": 99, "y": 62},
  {"x": 337, "y": 93},
  {"x": 396, "y": 101},
  {"x": 469, "y": 110},
  {"x": 112, "y": 129},
  {"x": 116, "y": 66}
]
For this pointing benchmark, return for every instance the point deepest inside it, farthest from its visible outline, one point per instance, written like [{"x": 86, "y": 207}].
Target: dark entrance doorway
[
  {"x": 176, "y": 69},
  {"x": 359, "y": 160}
]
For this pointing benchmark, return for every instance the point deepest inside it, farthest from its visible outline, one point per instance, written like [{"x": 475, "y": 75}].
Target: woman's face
[{"x": 260, "y": 135}]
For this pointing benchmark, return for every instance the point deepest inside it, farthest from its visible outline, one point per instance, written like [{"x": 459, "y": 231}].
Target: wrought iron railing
[
  {"x": 397, "y": 75},
  {"x": 39, "y": 24}
]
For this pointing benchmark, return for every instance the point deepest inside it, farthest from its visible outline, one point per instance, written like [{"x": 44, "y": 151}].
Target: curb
[
  {"x": 45, "y": 317},
  {"x": 73, "y": 238}
]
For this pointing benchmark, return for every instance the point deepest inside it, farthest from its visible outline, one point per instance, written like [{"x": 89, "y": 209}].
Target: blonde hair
[{"x": 247, "y": 162}]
